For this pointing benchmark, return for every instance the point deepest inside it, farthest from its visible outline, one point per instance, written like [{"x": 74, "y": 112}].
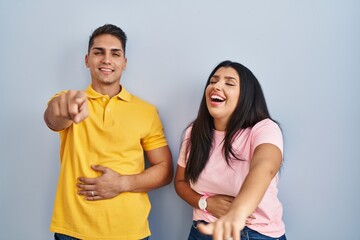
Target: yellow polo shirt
[{"x": 115, "y": 135}]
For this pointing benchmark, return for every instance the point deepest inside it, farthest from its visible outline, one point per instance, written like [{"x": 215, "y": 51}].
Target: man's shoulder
[{"x": 141, "y": 102}]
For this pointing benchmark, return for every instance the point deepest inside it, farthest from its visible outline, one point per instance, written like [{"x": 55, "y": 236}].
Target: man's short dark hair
[{"x": 108, "y": 29}]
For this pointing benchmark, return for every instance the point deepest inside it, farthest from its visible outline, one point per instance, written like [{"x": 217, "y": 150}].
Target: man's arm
[
  {"x": 66, "y": 109},
  {"x": 111, "y": 183},
  {"x": 159, "y": 174}
]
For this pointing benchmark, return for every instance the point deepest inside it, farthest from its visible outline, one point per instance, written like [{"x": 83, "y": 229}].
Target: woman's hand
[
  {"x": 219, "y": 205},
  {"x": 226, "y": 227}
]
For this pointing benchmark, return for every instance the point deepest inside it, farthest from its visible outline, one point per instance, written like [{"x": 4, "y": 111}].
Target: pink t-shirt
[{"x": 218, "y": 178}]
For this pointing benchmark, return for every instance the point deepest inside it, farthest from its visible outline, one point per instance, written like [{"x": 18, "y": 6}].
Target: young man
[{"x": 104, "y": 133}]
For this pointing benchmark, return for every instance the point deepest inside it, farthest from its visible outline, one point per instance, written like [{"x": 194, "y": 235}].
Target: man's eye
[
  {"x": 97, "y": 53},
  {"x": 230, "y": 84}
]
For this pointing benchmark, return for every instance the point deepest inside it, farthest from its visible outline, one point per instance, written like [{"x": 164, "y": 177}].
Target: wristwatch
[{"x": 202, "y": 203}]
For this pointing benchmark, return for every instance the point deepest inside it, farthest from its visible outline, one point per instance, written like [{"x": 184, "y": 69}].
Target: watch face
[{"x": 202, "y": 204}]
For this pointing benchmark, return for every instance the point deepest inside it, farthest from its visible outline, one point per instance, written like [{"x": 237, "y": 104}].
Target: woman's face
[{"x": 222, "y": 95}]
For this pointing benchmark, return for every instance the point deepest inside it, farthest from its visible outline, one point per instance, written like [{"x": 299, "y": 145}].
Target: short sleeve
[
  {"x": 56, "y": 95},
  {"x": 182, "y": 154},
  {"x": 267, "y": 131},
  {"x": 155, "y": 138}
]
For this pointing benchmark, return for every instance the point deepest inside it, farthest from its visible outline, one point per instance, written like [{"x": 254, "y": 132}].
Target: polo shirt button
[
  {"x": 108, "y": 109},
  {"x": 104, "y": 99}
]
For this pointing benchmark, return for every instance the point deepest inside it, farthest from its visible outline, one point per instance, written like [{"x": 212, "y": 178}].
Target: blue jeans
[
  {"x": 246, "y": 234},
  {"x": 59, "y": 236}
]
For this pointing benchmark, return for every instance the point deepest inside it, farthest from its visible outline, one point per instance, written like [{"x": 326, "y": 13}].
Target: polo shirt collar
[{"x": 123, "y": 94}]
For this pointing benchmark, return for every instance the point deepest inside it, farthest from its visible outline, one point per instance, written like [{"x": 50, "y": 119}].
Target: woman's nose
[{"x": 217, "y": 85}]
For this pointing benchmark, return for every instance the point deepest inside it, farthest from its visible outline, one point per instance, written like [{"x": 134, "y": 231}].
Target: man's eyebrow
[
  {"x": 116, "y": 50},
  {"x": 103, "y": 49}
]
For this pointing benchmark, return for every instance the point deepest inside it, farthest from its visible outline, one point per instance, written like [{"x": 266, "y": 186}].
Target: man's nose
[{"x": 106, "y": 58}]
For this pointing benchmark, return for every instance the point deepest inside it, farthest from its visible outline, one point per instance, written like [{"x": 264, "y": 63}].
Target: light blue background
[{"x": 306, "y": 55}]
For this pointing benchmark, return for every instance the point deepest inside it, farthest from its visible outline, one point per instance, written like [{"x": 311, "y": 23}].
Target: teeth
[
  {"x": 216, "y": 97},
  {"x": 105, "y": 69}
]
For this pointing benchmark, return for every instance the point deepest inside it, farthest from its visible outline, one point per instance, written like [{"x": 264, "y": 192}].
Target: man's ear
[
  {"x": 87, "y": 61},
  {"x": 124, "y": 67}
]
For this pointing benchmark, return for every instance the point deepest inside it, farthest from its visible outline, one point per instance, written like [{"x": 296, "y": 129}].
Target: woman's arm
[
  {"x": 217, "y": 205},
  {"x": 264, "y": 166},
  {"x": 183, "y": 189}
]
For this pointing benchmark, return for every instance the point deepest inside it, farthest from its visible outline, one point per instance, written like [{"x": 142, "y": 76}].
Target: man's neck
[{"x": 110, "y": 90}]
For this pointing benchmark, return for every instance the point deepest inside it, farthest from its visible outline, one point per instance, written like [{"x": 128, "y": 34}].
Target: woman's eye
[{"x": 213, "y": 81}]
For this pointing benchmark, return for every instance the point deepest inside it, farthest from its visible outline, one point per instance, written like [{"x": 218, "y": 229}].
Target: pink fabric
[{"x": 218, "y": 178}]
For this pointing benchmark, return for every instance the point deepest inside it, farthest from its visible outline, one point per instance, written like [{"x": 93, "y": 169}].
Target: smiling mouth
[
  {"x": 106, "y": 70},
  {"x": 216, "y": 98}
]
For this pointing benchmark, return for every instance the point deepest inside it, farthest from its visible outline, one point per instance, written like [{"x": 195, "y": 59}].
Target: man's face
[{"x": 106, "y": 61}]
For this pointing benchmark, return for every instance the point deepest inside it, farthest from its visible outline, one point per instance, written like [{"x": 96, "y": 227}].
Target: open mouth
[
  {"x": 216, "y": 98},
  {"x": 107, "y": 70}
]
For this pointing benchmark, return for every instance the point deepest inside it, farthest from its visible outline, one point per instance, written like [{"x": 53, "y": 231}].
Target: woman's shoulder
[
  {"x": 267, "y": 131},
  {"x": 266, "y": 127},
  {"x": 267, "y": 123},
  {"x": 187, "y": 132}
]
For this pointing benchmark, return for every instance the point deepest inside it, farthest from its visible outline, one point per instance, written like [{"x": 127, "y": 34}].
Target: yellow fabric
[{"x": 114, "y": 135}]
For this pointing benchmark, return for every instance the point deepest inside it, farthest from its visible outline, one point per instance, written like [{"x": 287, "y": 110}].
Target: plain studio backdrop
[{"x": 305, "y": 54}]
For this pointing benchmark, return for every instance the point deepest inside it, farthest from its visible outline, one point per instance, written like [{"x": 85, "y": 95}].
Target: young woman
[{"x": 229, "y": 161}]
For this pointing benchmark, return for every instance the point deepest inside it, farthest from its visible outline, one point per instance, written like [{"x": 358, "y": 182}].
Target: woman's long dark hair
[{"x": 251, "y": 108}]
